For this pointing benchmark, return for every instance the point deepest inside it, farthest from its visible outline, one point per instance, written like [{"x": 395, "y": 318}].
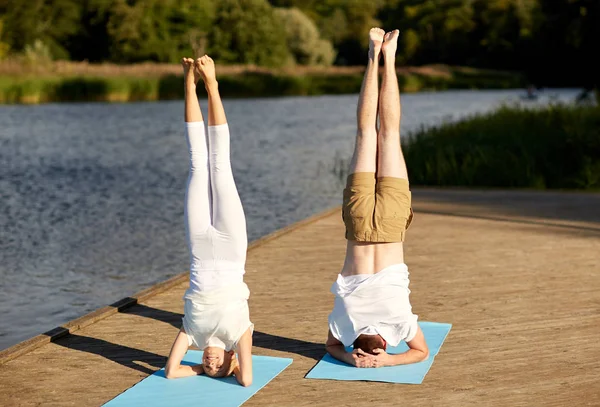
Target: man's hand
[
  {"x": 381, "y": 358},
  {"x": 362, "y": 359}
]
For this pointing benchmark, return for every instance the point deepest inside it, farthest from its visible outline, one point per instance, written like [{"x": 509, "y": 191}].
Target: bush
[
  {"x": 303, "y": 38},
  {"x": 553, "y": 147},
  {"x": 247, "y": 32}
]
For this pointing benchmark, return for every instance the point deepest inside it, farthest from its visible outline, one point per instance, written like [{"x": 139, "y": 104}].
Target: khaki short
[{"x": 376, "y": 210}]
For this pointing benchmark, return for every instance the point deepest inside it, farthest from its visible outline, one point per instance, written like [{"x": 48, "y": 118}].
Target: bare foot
[
  {"x": 190, "y": 76},
  {"x": 206, "y": 68},
  {"x": 390, "y": 44},
  {"x": 375, "y": 41}
]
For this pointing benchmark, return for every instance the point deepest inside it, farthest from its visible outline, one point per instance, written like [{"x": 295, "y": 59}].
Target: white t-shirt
[
  {"x": 217, "y": 317},
  {"x": 373, "y": 304}
]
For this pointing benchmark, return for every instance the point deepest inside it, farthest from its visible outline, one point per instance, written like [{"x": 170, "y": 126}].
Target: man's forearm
[
  {"x": 408, "y": 357},
  {"x": 339, "y": 353}
]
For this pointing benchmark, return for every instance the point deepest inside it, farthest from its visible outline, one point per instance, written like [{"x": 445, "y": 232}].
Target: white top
[
  {"x": 217, "y": 317},
  {"x": 373, "y": 304},
  {"x": 221, "y": 273}
]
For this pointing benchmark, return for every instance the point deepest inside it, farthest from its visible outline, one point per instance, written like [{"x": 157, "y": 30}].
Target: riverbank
[
  {"x": 554, "y": 147},
  {"x": 70, "y": 82}
]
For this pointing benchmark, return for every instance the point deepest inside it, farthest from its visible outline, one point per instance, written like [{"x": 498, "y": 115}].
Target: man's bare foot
[
  {"x": 375, "y": 41},
  {"x": 206, "y": 68},
  {"x": 190, "y": 76},
  {"x": 390, "y": 44}
]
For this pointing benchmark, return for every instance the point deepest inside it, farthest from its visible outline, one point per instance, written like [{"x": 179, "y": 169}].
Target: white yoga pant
[{"x": 214, "y": 217}]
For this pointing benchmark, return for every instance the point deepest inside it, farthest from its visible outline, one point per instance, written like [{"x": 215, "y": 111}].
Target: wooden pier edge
[{"x": 31, "y": 344}]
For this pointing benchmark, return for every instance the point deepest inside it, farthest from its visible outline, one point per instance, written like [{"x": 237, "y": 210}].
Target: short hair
[{"x": 368, "y": 343}]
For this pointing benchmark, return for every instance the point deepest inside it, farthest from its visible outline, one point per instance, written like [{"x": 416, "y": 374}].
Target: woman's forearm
[{"x": 183, "y": 371}]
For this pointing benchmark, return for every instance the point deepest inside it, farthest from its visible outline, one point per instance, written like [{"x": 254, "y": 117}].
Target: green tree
[
  {"x": 141, "y": 30},
  {"x": 345, "y": 23},
  {"x": 4, "y": 47},
  {"x": 157, "y": 30},
  {"x": 50, "y": 22},
  {"x": 430, "y": 31},
  {"x": 303, "y": 38},
  {"x": 247, "y": 32}
]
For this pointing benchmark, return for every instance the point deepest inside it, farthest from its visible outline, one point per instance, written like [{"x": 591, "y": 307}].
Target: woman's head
[
  {"x": 368, "y": 343},
  {"x": 216, "y": 362}
]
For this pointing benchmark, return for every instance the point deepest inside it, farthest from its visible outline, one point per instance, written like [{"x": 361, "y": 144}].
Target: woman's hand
[{"x": 233, "y": 366}]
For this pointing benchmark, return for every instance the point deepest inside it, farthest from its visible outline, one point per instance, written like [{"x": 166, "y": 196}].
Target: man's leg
[
  {"x": 365, "y": 148},
  {"x": 228, "y": 214},
  {"x": 390, "y": 159}
]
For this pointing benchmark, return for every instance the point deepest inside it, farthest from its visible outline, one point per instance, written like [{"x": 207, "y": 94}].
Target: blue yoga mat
[
  {"x": 435, "y": 334},
  {"x": 156, "y": 390}
]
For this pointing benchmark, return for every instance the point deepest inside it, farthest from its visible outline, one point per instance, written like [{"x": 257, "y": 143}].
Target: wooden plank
[{"x": 520, "y": 286}]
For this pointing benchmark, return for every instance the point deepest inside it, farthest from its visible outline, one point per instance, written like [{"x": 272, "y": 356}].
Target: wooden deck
[{"x": 516, "y": 273}]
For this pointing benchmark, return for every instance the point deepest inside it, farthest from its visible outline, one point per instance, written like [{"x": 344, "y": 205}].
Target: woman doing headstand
[{"x": 216, "y": 317}]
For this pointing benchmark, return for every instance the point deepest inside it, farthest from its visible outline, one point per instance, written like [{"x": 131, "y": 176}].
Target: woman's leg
[
  {"x": 389, "y": 153},
  {"x": 228, "y": 214},
  {"x": 365, "y": 147},
  {"x": 197, "y": 202}
]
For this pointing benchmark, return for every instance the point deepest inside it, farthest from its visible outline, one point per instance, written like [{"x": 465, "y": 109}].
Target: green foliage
[
  {"x": 343, "y": 22},
  {"x": 50, "y": 22},
  {"x": 553, "y": 42},
  {"x": 4, "y": 47},
  {"x": 157, "y": 30},
  {"x": 247, "y": 32},
  {"x": 37, "y": 53},
  {"x": 303, "y": 38},
  {"x": 553, "y": 147}
]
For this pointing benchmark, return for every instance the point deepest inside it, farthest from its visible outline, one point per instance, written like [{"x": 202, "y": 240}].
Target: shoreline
[{"x": 154, "y": 82}]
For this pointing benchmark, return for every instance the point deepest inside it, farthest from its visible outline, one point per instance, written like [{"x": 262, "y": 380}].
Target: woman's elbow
[
  {"x": 169, "y": 373},
  {"x": 246, "y": 382}
]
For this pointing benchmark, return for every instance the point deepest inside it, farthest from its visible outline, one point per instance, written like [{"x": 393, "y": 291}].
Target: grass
[
  {"x": 69, "y": 81},
  {"x": 547, "y": 148}
]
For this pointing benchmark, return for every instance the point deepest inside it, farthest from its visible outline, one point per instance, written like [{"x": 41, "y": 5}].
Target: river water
[{"x": 91, "y": 194}]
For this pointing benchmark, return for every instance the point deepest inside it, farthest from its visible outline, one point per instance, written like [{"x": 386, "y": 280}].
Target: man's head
[
  {"x": 216, "y": 362},
  {"x": 368, "y": 343}
]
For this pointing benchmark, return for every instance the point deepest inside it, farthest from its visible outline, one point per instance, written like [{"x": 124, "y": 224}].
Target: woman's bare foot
[
  {"x": 206, "y": 68},
  {"x": 390, "y": 44},
  {"x": 375, "y": 41},
  {"x": 190, "y": 76}
]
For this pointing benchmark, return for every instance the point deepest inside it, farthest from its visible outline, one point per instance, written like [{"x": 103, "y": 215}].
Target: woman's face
[{"x": 216, "y": 361}]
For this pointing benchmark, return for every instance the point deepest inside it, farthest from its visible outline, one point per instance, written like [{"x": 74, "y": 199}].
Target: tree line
[{"x": 554, "y": 42}]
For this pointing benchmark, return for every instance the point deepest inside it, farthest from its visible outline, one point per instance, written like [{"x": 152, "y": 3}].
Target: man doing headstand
[{"x": 372, "y": 308}]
